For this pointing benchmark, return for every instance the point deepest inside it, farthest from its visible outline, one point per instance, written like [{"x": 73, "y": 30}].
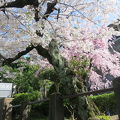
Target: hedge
[
  {"x": 21, "y": 98},
  {"x": 106, "y": 103},
  {"x": 25, "y": 97}
]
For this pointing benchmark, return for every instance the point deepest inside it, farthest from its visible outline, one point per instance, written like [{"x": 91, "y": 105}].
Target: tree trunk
[{"x": 82, "y": 106}]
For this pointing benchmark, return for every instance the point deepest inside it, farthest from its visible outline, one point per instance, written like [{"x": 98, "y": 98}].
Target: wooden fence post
[
  {"x": 56, "y": 109},
  {"x": 116, "y": 85},
  {"x": 25, "y": 111}
]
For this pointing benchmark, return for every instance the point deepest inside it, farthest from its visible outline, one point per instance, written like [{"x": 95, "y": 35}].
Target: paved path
[{"x": 115, "y": 117}]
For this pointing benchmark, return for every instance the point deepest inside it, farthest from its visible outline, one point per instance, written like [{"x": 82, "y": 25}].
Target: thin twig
[{"x": 79, "y": 12}]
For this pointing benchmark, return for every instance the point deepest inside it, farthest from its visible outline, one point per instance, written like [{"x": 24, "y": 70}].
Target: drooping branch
[
  {"x": 20, "y": 3},
  {"x": 51, "y": 54},
  {"x": 46, "y": 53},
  {"x": 8, "y": 61}
]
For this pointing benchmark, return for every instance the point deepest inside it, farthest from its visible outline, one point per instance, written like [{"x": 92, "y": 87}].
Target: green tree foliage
[
  {"x": 48, "y": 80},
  {"x": 81, "y": 68},
  {"x": 23, "y": 76}
]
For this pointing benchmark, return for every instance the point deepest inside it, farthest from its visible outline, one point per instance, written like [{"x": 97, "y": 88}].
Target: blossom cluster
[{"x": 95, "y": 45}]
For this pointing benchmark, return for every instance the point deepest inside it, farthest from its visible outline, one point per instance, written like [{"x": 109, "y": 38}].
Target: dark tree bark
[
  {"x": 35, "y": 3},
  {"x": 20, "y": 3},
  {"x": 8, "y": 61},
  {"x": 50, "y": 9}
]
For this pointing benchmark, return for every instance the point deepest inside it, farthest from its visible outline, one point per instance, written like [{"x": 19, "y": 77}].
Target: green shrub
[
  {"x": 25, "y": 97},
  {"x": 106, "y": 103},
  {"x": 103, "y": 117}
]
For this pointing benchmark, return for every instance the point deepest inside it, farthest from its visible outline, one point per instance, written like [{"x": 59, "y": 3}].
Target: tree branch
[
  {"x": 44, "y": 52},
  {"x": 2, "y": 57},
  {"x": 20, "y": 54},
  {"x": 20, "y": 3},
  {"x": 50, "y": 9}
]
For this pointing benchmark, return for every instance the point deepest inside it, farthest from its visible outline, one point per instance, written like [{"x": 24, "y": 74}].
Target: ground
[{"x": 115, "y": 117}]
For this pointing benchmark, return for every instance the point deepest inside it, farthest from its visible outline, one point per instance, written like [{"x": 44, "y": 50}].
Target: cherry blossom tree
[{"x": 58, "y": 31}]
